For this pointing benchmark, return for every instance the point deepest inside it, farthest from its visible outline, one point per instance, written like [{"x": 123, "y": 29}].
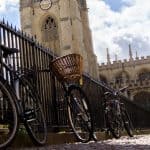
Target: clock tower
[{"x": 62, "y": 26}]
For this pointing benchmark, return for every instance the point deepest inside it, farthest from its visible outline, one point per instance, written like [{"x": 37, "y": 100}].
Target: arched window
[
  {"x": 144, "y": 76},
  {"x": 36, "y": 0},
  {"x": 50, "y": 31},
  {"x": 103, "y": 78},
  {"x": 50, "y": 35},
  {"x": 122, "y": 77},
  {"x": 143, "y": 102}
]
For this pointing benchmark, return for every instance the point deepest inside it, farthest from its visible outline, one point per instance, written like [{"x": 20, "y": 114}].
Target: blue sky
[
  {"x": 117, "y": 23},
  {"x": 9, "y": 9},
  {"x": 115, "y": 5},
  {"x": 114, "y": 25}
]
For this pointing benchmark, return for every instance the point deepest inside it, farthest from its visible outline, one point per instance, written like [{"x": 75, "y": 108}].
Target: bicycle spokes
[
  {"x": 79, "y": 115},
  {"x": 33, "y": 114},
  {"x": 8, "y": 117}
]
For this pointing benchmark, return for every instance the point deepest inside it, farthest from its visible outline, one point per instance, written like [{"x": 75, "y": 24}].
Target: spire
[
  {"x": 130, "y": 53},
  {"x": 116, "y": 57},
  {"x": 136, "y": 54},
  {"x": 108, "y": 56}
]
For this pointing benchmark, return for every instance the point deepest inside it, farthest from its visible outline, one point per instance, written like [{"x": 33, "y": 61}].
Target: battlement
[
  {"x": 125, "y": 63},
  {"x": 133, "y": 84}
]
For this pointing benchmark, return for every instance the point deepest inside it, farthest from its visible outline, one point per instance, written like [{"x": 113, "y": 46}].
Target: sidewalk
[{"x": 138, "y": 142}]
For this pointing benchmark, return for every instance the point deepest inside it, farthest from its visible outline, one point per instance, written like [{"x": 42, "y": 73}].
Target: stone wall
[{"x": 73, "y": 29}]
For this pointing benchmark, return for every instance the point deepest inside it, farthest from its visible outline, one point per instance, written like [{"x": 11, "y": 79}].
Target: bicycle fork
[{"x": 79, "y": 111}]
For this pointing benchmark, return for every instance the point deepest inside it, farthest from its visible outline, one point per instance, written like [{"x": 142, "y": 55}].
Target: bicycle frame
[
  {"x": 23, "y": 100},
  {"x": 122, "y": 119},
  {"x": 15, "y": 77}
]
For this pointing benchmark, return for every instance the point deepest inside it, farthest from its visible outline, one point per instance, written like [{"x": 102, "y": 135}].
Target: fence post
[{"x": 54, "y": 103}]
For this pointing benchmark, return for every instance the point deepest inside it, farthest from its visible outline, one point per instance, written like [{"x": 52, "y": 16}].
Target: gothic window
[
  {"x": 145, "y": 103},
  {"x": 36, "y": 0},
  {"x": 50, "y": 35},
  {"x": 103, "y": 78},
  {"x": 119, "y": 79},
  {"x": 82, "y": 3},
  {"x": 144, "y": 76},
  {"x": 122, "y": 77},
  {"x": 49, "y": 29}
]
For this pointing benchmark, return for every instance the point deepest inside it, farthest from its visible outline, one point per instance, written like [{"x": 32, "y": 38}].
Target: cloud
[
  {"x": 110, "y": 29},
  {"x": 2, "y": 5},
  {"x": 9, "y": 10},
  {"x": 5, "y": 5},
  {"x": 115, "y": 30}
]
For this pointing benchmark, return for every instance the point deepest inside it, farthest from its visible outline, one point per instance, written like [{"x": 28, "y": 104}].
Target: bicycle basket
[{"x": 68, "y": 67}]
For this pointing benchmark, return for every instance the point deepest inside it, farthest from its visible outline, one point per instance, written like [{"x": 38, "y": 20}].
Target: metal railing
[{"x": 34, "y": 56}]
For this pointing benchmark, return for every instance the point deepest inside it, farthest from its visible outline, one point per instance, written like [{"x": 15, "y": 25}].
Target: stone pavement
[{"x": 138, "y": 142}]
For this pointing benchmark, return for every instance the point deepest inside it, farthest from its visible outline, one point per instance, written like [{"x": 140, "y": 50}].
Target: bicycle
[
  {"x": 18, "y": 103},
  {"x": 68, "y": 70},
  {"x": 116, "y": 117}
]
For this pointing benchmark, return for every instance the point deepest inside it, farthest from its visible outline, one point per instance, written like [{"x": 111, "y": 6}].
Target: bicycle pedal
[
  {"x": 94, "y": 137},
  {"x": 29, "y": 115},
  {"x": 28, "y": 112},
  {"x": 30, "y": 120},
  {"x": 104, "y": 130}
]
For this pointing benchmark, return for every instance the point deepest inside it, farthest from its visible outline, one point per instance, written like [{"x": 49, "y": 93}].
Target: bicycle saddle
[
  {"x": 107, "y": 93},
  {"x": 115, "y": 92},
  {"x": 8, "y": 51}
]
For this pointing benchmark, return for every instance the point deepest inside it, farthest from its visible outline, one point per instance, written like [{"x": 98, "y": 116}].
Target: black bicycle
[
  {"x": 79, "y": 113},
  {"x": 116, "y": 117},
  {"x": 68, "y": 70},
  {"x": 19, "y": 102}
]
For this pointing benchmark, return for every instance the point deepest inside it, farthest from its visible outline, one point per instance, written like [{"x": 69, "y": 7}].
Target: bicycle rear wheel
[
  {"x": 8, "y": 115},
  {"x": 34, "y": 119},
  {"x": 127, "y": 123},
  {"x": 113, "y": 120},
  {"x": 80, "y": 114}
]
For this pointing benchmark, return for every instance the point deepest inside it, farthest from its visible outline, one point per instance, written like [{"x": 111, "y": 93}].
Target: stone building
[
  {"x": 64, "y": 28},
  {"x": 134, "y": 72}
]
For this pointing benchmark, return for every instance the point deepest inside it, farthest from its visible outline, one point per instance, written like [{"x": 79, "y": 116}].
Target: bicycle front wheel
[
  {"x": 79, "y": 113},
  {"x": 34, "y": 119},
  {"x": 8, "y": 115}
]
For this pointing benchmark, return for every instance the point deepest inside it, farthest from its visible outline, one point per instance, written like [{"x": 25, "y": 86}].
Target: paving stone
[{"x": 138, "y": 142}]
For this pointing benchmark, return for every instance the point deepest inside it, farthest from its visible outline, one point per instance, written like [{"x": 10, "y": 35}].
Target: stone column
[
  {"x": 65, "y": 27},
  {"x": 26, "y": 11}
]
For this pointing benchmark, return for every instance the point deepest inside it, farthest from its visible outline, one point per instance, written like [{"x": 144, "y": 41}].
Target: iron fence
[{"x": 34, "y": 56}]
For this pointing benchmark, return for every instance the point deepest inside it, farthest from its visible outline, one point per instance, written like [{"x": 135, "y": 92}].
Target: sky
[{"x": 114, "y": 24}]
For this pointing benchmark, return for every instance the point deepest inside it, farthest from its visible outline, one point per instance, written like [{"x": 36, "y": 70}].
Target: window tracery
[
  {"x": 50, "y": 31},
  {"x": 50, "y": 35}
]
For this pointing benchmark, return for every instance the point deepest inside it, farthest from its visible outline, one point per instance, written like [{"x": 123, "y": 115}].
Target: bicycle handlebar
[
  {"x": 123, "y": 89},
  {"x": 116, "y": 92}
]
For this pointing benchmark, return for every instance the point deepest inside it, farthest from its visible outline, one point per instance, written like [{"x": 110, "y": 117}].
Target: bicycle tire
[
  {"x": 34, "y": 119},
  {"x": 113, "y": 121},
  {"x": 127, "y": 123},
  {"x": 8, "y": 115},
  {"x": 79, "y": 114}
]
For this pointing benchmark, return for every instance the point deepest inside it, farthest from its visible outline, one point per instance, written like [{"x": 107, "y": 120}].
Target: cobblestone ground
[{"x": 138, "y": 142}]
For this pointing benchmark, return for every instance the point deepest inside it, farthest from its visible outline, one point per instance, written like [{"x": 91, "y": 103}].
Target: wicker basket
[{"x": 68, "y": 68}]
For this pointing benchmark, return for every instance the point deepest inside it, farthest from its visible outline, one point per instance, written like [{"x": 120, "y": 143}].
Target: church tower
[{"x": 63, "y": 27}]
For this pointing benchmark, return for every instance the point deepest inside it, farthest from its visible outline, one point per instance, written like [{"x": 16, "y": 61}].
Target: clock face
[{"x": 45, "y": 4}]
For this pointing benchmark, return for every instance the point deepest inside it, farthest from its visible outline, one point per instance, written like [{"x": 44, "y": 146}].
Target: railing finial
[{"x": 3, "y": 21}]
